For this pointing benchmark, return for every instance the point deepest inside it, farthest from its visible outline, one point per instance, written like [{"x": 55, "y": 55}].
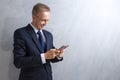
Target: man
[{"x": 33, "y": 47}]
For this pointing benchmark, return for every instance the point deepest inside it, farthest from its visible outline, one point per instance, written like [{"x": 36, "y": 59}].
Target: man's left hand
[{"x": 60, "y": 53}]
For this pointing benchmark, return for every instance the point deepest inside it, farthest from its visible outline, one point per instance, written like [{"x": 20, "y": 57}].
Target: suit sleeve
[
  {"x": 19, "y": 51},
  {"x": 56, "y": 59}
]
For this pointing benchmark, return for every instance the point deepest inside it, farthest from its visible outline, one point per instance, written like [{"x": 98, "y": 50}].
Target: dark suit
[{"x": 27, "y": 54}]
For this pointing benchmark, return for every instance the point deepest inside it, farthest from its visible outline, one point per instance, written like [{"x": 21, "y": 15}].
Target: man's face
[{"x": 41, "y": 19}]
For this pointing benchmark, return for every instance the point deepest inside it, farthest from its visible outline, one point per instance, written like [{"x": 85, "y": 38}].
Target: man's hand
[
  {"x": 60, "y": 53},
  {"x": 51, "y": 54}
]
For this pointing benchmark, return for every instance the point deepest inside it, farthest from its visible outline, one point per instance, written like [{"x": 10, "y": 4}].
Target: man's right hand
[{"x": 51, "y": 54}]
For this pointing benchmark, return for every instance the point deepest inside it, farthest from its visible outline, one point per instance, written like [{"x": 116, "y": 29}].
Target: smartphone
[{"x": 63, "y": 47}]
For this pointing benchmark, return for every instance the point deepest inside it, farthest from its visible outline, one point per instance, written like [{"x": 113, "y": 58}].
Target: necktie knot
[{"x": 39, "y": 33}]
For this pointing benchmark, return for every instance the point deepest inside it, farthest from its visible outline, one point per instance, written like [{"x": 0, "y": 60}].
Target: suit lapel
[
  {"x": 47, "y": 39},
  {"x": 34, "y": 36}
]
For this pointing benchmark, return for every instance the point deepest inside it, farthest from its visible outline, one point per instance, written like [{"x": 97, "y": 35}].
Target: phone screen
[{"x": 63, "y": 47}]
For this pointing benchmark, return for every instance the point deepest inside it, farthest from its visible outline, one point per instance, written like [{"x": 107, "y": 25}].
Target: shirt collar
[{"x": 35, "y": 29}]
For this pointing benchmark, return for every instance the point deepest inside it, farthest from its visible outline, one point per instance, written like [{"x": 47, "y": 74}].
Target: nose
[{"x": 44, "y": 22}]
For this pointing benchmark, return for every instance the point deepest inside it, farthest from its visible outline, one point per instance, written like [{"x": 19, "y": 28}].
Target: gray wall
[{"x": 90, "y": 27}]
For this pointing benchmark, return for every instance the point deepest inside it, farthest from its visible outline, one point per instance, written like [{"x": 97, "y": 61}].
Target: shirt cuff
[{"x": 43, "y": 58}]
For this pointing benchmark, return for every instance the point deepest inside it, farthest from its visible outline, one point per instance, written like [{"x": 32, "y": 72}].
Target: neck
[{"x": 35, "y": 25}]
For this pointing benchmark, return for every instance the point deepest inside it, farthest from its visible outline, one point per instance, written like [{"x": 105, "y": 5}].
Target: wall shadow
[{"x": 10, "y": 24}]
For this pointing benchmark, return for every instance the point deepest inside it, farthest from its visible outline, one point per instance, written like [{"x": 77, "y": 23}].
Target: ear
[{"x": 33, "y": 16}]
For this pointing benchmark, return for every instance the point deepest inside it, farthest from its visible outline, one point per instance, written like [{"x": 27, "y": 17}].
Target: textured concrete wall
[{"x": 90, "y": 27}]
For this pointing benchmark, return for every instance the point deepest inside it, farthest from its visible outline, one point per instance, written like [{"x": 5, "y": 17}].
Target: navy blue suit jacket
[{"x": 27, "y": 54}]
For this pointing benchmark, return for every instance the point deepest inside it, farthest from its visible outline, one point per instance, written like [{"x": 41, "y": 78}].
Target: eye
[{"x": 44, "y": 20}]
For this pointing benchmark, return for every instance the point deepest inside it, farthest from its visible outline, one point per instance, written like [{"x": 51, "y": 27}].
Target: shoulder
[{"x": 21, "y": 30}]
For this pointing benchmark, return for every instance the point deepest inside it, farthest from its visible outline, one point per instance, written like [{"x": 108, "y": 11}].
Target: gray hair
[{"x": 39, "y": 7}]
